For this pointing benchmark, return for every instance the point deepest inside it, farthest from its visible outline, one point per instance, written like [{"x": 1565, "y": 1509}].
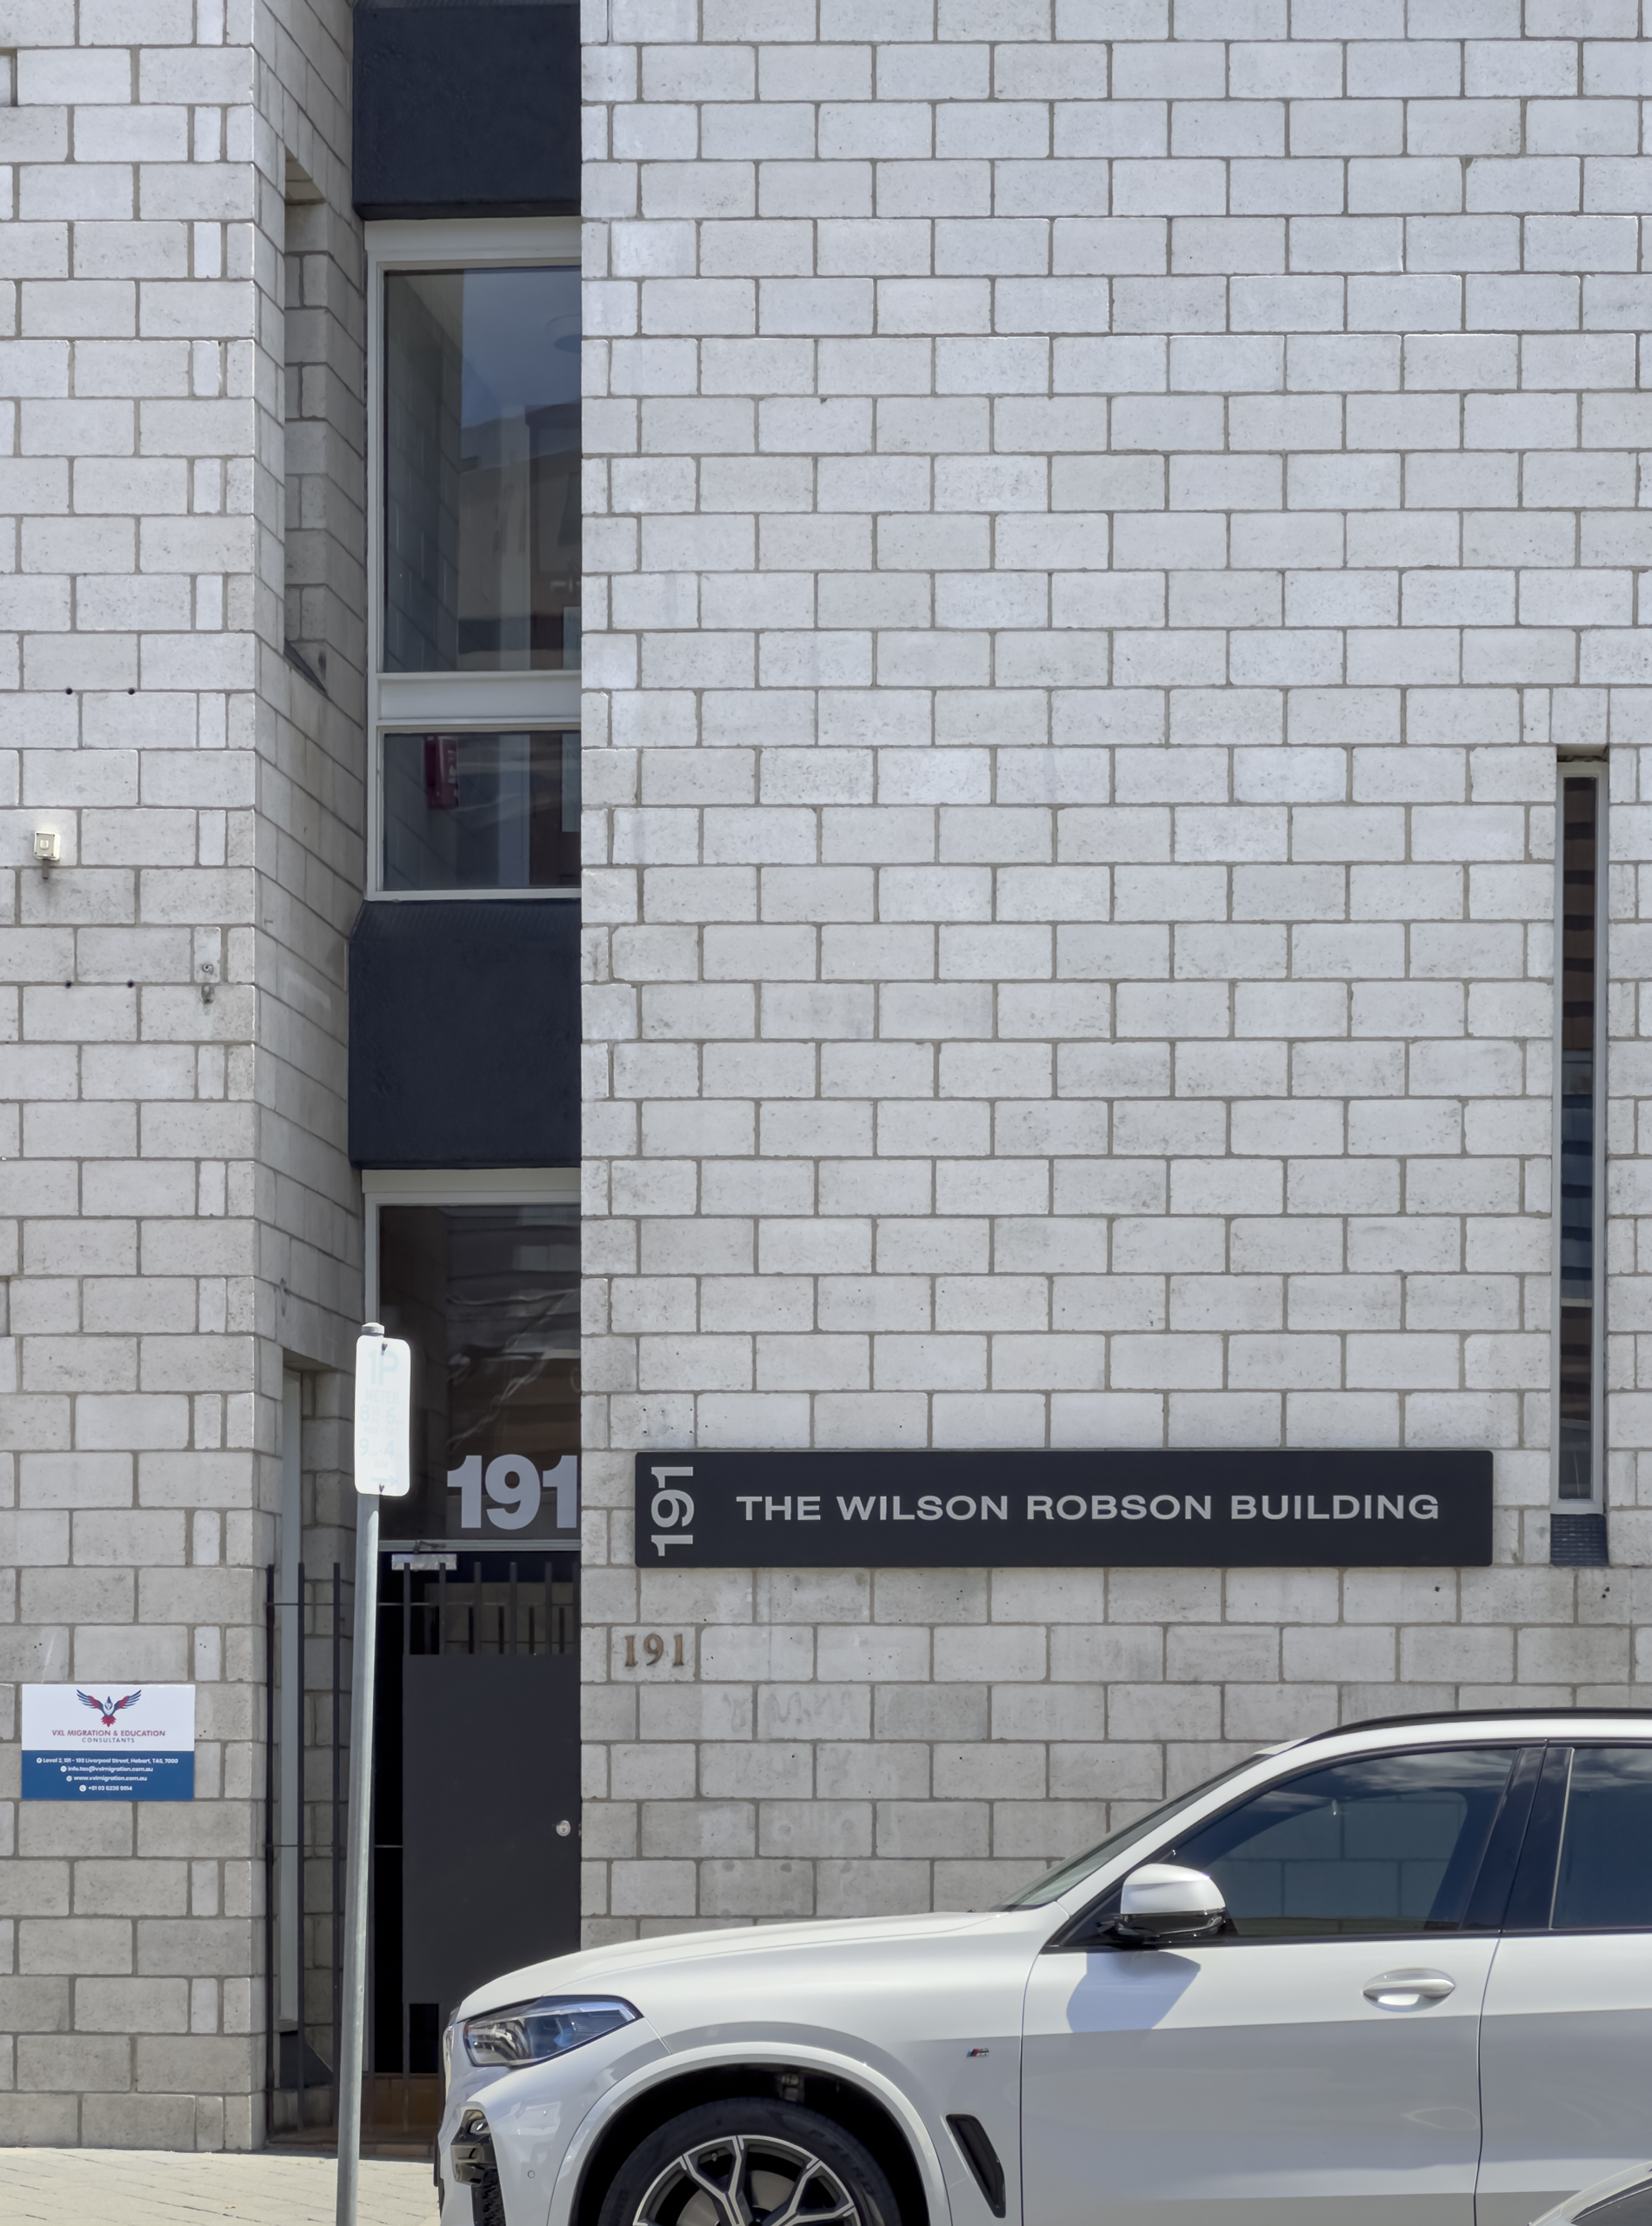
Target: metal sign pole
[
  {"x": 352, "y": 2009},
  {"x": 384, "y": 1385}
]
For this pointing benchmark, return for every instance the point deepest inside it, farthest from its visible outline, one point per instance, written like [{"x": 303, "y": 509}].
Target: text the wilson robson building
[{"x": 1130, "y": 1510}]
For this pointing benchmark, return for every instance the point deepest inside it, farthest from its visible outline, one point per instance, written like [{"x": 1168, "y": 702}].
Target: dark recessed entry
[
  {"x": 467, "y": 111},
  {"x": 465, "y": 1034}
]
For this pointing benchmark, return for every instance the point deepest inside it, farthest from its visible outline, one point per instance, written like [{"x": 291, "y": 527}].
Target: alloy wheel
[{"x": 748, "y": 2180}]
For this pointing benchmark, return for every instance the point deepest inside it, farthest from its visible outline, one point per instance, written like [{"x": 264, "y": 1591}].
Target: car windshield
[{"x": 1056, "y": 1883}]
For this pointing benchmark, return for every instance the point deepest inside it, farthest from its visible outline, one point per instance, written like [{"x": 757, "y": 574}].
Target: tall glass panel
[
  {"x": 475, "y": 812},
  {"x": 487, "y": 1296},
  {"x": 1574, "y": 1422},
  {"x": 481, "y": 556}
]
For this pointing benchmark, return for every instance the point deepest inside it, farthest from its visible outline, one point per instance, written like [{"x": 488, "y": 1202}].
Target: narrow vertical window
[
  {"x": 482, "y": 525},
  {"x": 1580, "y": 1112},
  {"x": 473, "y": 627},
  {"x": 306, "y": 567}
]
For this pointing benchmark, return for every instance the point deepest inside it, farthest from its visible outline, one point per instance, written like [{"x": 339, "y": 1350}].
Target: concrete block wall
[
  {"x": 1101, "y": 515},
  {"x": 179, "y": 1210}
]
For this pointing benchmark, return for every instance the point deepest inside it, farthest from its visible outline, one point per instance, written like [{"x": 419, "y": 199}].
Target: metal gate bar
[
  {"x": 269, "y": 1845},
  {"x": 309, "y": 1603},
  {"x": 338, "y": 1845}
]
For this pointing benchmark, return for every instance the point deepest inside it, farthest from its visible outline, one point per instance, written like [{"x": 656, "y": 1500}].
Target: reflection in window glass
[
  {"x": 1385, "y": 1845},
  {"x": 481, "y": 810},
  {"x": 1605, "y": 1871},
  {"x": 487, "y": 1296},
  {"x": 1579, "y": 956},
  {"x": 482, "y": 470}
]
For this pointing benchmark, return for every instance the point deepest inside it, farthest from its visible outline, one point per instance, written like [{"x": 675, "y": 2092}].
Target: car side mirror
[{"x": 1162, "y": 1904}]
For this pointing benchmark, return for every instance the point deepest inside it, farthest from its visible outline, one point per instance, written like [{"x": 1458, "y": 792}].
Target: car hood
[{"x": 624, "y": 1964}]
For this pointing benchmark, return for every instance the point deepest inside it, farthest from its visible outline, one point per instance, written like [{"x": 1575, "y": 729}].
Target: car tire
[{"x": 791, "y": 2165}]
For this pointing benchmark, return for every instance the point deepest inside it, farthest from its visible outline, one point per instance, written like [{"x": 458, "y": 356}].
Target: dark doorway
[{"x": 476, "y": 1853}]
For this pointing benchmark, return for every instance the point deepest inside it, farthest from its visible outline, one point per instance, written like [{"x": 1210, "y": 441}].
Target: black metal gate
[
  {"x": 300, "y": 2091},
  {"x": 476, "y": 1821}
]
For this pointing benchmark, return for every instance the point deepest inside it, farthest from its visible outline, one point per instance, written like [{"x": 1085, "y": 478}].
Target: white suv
[{"x": 1397, "y": 1973}]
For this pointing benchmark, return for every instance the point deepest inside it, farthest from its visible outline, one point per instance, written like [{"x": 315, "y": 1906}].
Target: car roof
[{"x": 1468, "y": 1715}]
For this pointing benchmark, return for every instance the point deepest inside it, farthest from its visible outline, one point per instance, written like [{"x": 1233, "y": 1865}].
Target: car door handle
[{"x": 1409, "y": 1990}]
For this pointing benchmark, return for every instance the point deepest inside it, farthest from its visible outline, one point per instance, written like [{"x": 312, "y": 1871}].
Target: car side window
[
  {"x": 1604, "y": 1882},
  {"x": 1384, "y": 1844}
]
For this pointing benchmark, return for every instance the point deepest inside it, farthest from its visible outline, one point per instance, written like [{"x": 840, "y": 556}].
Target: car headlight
[{"x": 531, "y": 2032}]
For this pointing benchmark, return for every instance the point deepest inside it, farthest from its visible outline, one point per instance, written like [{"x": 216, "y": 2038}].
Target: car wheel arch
[{"x": 861, "y": 2100}]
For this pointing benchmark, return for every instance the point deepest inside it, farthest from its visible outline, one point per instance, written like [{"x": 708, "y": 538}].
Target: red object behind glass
[{"x": 441, "y": 772}]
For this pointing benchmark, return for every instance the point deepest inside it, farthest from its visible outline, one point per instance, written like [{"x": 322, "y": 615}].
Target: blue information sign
[{"x": 120, "y": 1743}]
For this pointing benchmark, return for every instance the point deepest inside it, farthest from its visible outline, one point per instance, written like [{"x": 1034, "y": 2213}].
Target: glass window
[
  {"x": 482, "y": 470},
  {"x": 1387, "y": 1845},
  {"x": 1575, "y": 1432},
  {"x": 481, "y": 810},
  {"x": 1605, "y": 1878},
  {"x": 487, "y": 1296}
]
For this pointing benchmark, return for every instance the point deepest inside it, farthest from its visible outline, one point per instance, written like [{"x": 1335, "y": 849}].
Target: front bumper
[
  {"x": 504, "y": 2134},
  {"x": 475, "y": 2168}
]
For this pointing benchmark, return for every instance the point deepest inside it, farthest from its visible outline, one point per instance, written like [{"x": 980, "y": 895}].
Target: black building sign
[{"x": 1124, "y": 1509}]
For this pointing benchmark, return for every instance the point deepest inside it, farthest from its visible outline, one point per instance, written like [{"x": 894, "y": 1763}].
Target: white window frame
[
  {"x": 1574, "y": 768},
  {"x": 450, "y": 703}
]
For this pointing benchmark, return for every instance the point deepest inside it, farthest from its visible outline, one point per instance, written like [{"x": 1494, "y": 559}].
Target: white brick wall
[
  {"x": 1099, "y": 526},
  {"x": 179, "y": 1208}
]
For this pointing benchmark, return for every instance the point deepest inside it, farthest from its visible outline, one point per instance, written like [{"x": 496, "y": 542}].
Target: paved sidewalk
[{"x": 156, "y": 2187}]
